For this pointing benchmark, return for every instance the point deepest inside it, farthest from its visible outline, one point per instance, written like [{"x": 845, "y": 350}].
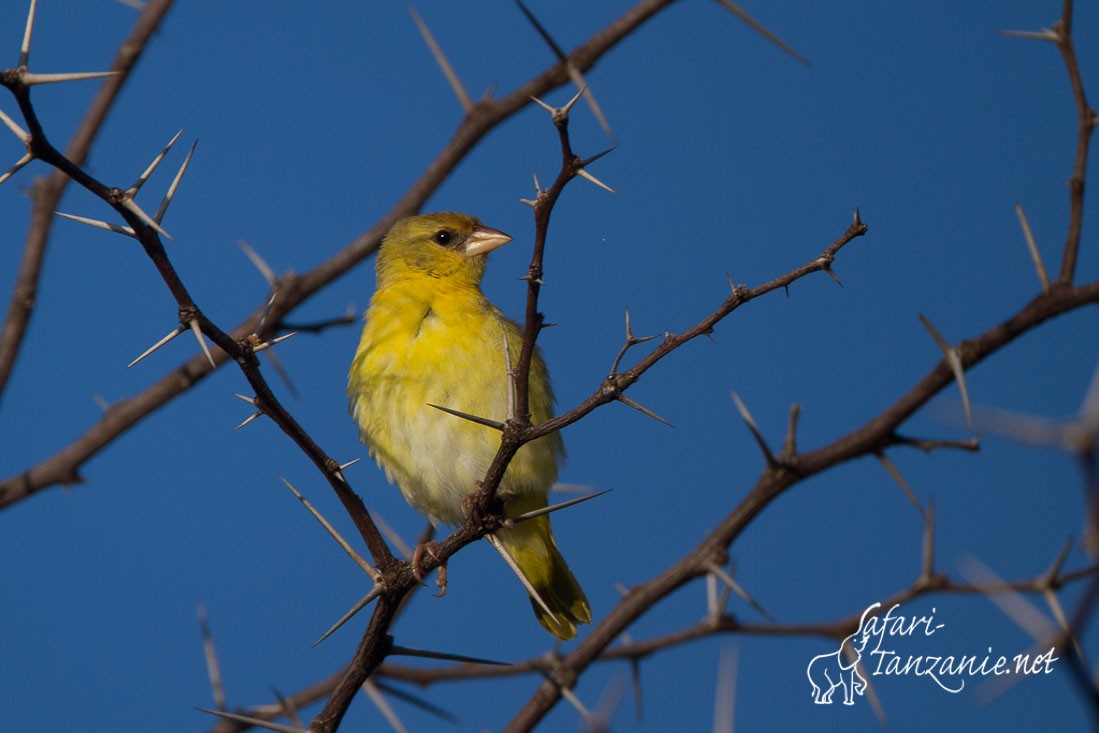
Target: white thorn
[
  {"x": 197, "y": 330},
  {"x": 259, "y": 263},
  {"x": 130, "y": 205},
  {"x": 152, "y": 166},
  {"x": 23, "y": 135},
  {"x": 167, "y": 200},
  {"x": 27, "y": 158},
  {"x": 369, "y": 569},
  {"x": 954, "y": 361},
  {"x": 96, "y": 223},
  {"x": 32, "y": 79},
  {"x": 249, "y": 419},
  {"x": 499, "y": 547},
  {"x": 171, "y": 335},
  {"x": 273, "y": 342},
  {"x": 440, "y": 58},
  {"x": 589, "y": 177},
  {"x": 383, "y": 706},
  {"x": 25, "y": 49}
]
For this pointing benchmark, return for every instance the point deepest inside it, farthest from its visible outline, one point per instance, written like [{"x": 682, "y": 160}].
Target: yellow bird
[{"x": 431, "y": 337}]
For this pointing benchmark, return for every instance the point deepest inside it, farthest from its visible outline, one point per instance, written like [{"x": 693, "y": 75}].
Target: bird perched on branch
[{"x": 431, "y": 339}]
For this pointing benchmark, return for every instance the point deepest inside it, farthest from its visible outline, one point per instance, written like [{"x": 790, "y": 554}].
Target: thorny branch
[
  {"x": 64, "y": 466},
  {"x": 46, "y": 193},
  {"x": 790, "y": 468}
]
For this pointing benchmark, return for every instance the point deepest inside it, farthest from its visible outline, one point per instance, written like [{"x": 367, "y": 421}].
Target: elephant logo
[{"x": 840, "y": 668}]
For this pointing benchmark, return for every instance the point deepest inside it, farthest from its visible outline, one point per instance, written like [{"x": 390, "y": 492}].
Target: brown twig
[
  {"x": 46, "y": 193},
  {"x": 1085, "y": 123},
  {"x": 63, "y": 467}
]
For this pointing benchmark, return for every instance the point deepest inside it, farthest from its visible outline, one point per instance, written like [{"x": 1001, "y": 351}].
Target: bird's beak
[{"x": 483, "y": 240}]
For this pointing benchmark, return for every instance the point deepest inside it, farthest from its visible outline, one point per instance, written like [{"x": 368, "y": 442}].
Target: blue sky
[{"x": 730, "y": 158}]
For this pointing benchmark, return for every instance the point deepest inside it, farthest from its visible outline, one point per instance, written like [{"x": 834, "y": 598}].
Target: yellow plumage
[{"x": 431, "y": 337}]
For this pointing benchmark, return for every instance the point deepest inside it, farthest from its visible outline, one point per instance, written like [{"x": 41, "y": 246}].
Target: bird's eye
[{"x": 444, "y": 237}]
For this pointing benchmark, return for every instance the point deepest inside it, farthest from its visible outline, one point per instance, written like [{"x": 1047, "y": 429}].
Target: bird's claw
[
  {"x": 470, "y": 499},
  {"x": 431, "y": 549},
  {"x": 440, "y": 581}
]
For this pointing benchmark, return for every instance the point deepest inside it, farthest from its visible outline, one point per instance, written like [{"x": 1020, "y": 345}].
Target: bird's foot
[
  {"x": 431, "y": 549},
  {"x": 470, "y": 499}
]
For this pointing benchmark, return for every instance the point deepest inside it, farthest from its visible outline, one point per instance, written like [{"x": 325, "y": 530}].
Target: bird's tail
[{"x": 534, "y": 550}]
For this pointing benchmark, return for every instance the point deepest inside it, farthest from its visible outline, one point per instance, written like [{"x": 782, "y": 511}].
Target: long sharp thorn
[
  {"x": 573, "y": 700},
  {"x": 367, "y": 567},
  {"x": 832, "y": 274},
  {"x": 928, "y": 559},
  {"x": 642, "y": 409},
  {"x": 892, "y": 469},
  {"x": 391, "y": 534},
  {"x": 258, "y": 261},
  {"x": 371, "y": 690},
  {"x": 96, "y": 223},
  {"x": 249, "y": 400},
  {"x": 1058, "y": 612},
  {"x": 27, "y": 158},
  {"x": 152, "y": 166},
  {"x": 472, "y": 418},
  {"x": 725, "y": 694},
  {"x": 360, "y": 605},
  {"x": 557, "y": 51},
  {"x": 275, "y": 342},
  {"x": 635, "y": 679},
  {"x": 576, "y": 97},
  {"x": 288, "y": 708},
  {"x": 1011, "y": 603},
  {"x": 23, "y": 135},
  {"x": 1043, "y": 35},
  {"x": 167, "y": 200},
  {"x": 759, "y": 28},
  {"x": 499, "y": 547},
  {"x": 713, "y": 610},
  {"x": 266, "y": 310},
  {"x": 440, "y": 58},
  {"x": 754, "y": 429},
  {"x": 728, "y": 580},
  {"x": 25, "y": 49},
  {"x": 790, "y": 444},
  {"x": 265, "y": 724},
  {"x": 585, "y": 91},
  {"x": 415, "y": 701},
  {"x": 32, "y": 79},
  {"x": 251, "y": 418},
  {"x": 1059, "y": 561},
  {"x": 130, "y": 205},
  {"x": 345, "y": 466},
  {"x": 1032, "y": 247},
  {"x": 171, "y": 335},
  {"x": 588, "y": 161},
  {"x": 213, "y": 669},
  {"x": 954, "y": 361},
  {"x": 283, "y": 374},
  {"x": 549, "y": 108},
  {"x": 563, "y": 505},
  {"x": 583, "y": 173},
  {"x": 197, "y": 331},
  {"x": 406, "y": 651}
]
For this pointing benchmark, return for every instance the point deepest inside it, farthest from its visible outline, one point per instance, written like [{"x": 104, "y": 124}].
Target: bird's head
[{"x": 443, "y": 245}]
